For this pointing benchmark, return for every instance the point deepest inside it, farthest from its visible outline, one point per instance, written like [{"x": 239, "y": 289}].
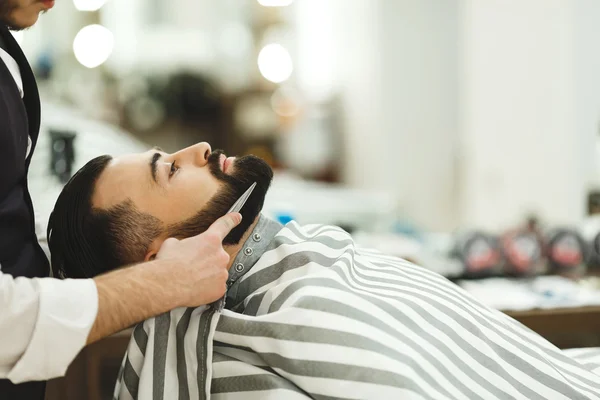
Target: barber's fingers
[{"x": 221, "y": 227}]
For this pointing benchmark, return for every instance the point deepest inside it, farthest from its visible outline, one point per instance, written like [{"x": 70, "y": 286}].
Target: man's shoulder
[
  {"x": 313, "y": 232},
  {"x": 331, "y": 236}
]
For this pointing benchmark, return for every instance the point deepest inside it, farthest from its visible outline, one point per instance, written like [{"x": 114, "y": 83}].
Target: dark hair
[{"x": 85, "y": 241}]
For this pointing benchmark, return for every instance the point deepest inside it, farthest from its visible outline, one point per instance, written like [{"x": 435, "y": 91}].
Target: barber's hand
[{"x": 199, "y": 263}]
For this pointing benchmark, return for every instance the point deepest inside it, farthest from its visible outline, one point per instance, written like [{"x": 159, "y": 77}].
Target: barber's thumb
[
  {"x": 225, "y": 224},
  {"x": 234, "y": 219}
]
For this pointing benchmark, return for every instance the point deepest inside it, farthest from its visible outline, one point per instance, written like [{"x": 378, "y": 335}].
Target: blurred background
[
  {"x": 460, "y": 134},
  {"x": 464, "y": 113}
]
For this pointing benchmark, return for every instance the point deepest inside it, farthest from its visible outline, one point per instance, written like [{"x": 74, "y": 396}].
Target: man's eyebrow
[{"x": 153, "y": 166}]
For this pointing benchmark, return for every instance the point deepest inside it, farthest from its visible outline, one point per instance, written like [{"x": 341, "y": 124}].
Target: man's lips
[
  {"x": 225, "y": 162},
  {"x": 228, "y": 163}
]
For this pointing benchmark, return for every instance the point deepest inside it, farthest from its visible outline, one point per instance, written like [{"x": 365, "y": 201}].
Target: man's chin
[
  {"x": 17, "y": 26},
  {"x": 241, "y": 174}
]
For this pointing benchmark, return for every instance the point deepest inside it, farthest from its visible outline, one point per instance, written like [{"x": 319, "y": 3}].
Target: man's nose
[{"x": 197, "y": 154}]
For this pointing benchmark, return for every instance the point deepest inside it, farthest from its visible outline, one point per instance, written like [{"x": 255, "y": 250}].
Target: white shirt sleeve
[
  {"x": 14, "y": 70},
  {"x": 44, "y": 323}
]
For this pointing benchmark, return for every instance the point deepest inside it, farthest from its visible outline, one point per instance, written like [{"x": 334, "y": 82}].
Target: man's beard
[{"x": 247, "y": 170}]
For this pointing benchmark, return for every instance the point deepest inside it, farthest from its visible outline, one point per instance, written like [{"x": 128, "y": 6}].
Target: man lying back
[{"x": 308, "y": 314}]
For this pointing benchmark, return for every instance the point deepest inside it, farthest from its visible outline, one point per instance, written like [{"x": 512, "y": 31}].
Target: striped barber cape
[{"x": 316, "y": 317}]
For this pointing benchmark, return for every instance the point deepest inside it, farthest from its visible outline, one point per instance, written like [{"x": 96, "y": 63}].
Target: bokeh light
[
  {"x": 275, "y": 63},
  {"x": 93, "y": 45}
]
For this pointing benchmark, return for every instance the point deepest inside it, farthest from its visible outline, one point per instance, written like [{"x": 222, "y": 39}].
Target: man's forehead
[{"x": 122, "y": 178}]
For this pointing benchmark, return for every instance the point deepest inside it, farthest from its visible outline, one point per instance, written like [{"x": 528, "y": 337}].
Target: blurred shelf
[{"x": 564, "y": 327}]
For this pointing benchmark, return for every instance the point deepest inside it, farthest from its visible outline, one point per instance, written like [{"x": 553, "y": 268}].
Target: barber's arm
[{"x": 45, "y": 322}]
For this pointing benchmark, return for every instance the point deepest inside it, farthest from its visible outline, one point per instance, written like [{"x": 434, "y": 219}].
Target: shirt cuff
[{"x": 67, "y": 310}]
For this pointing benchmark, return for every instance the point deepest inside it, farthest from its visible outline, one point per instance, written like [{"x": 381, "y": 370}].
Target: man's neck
[{"x": 234, "y": 249}]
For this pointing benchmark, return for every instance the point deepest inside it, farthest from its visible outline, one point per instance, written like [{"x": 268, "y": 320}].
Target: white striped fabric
[
  {"x": 316, "y": 317},
  {"x": 589, "y": 357}
]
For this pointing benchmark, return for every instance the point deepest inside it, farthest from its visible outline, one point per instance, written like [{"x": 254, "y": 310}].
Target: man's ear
[{"x": 153, "y": 249}]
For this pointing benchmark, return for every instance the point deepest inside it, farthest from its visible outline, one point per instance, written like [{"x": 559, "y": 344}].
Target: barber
[{"x": 45, "y": 322}]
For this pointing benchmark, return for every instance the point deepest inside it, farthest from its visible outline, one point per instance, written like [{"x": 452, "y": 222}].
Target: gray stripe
[
  {"x": 274, "y": 272},
  {"x": 556, "y": 356},
  {"x": 281, "y": 240},
  {"x": 323, "y": 397},
  {"x": 251, "y": 383},
  {"x": 294, "y": 262},
  {"x": 399, "y": 266},
  {"x": 241, "y": 290},
  {"x": 218, "y": 357},
  {"x": 342, "y": 372},
  {"x": 141, "y": 337},
  {"x": 313, "y": 236},
  {"x": 456, "y": 296},
  {"x": 182, "y": 327},
  {"x": 120, "y": 383},
  {"x": 310, "y": 334},
  {"x": 162, "y": 324},
  {"x": 335, "y": 244},
  {"x": 253, "y": 304},
  {"x": 201, "y": 351},
  {"x": 252, "y": 282},
  {"x": 332, "y": 243},
  {"x": 217, "y": 343},
  {"x": 452, "y": 294},
  {"x": 524, "y": 366},
  {"x": 242, "y": 349},
  {"x": 347, "y": 311},
  {"x": 131, "y": 379},
  {"x": 271, "y": 359},
  {"x": 590, "y": 354},
  {"x": 121, "y": 370},
  {"x": 317, "y": 303},
  {"x": 302, "y": 258},
  {"x": 331, "y": 370},
  {"x": 483, "y": 320}
]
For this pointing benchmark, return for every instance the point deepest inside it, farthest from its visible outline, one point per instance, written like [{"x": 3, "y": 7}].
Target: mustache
[
  {"x": 214, "y": 165},
  {"x": 247, "y": 170}
]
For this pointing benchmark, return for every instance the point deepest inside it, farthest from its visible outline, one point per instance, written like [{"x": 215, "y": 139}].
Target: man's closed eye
[{"x": 173, "y": 170}]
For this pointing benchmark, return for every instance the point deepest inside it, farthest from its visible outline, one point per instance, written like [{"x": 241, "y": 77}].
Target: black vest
[{"x": 20, "y": 253}]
